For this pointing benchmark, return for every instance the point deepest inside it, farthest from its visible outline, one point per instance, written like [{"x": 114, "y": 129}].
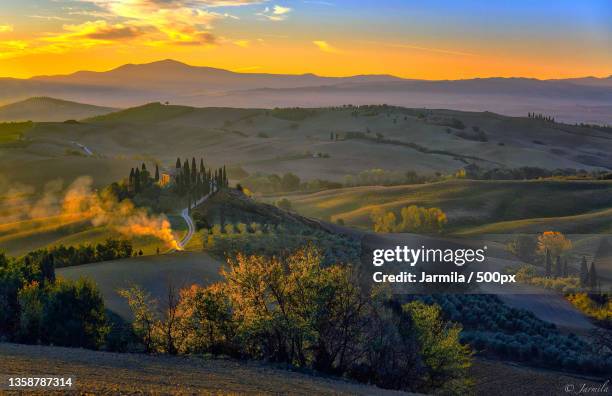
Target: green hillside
[
  {"x": 324, "y": 143},
  {"x": 471, "y": 203}
]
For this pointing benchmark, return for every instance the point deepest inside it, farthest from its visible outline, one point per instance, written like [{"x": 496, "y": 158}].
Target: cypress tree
[
  {"x": 593, "y": 276},
  {"x": 548, "y": 263},
  {"x": 178, "y": 163},
  {"x": 199, "y": 185},
  {"x": 584, "y": 272},
  {"x": 144, "y": 175},
  {"x": 156, "y": 173},
  {"x": 194, "y": 170},
  {"x": 186, "y": 173},
  {"x": 137, "y": 180},
  {"x": 558, "y": 267},
  {"x": 47, "y": 268},
  {"x": 131, "y": 180},
  {"x": 202, "y": 166}
]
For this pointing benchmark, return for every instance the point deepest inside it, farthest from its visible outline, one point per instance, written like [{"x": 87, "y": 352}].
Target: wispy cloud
[
  {"x": 242, "y": 43},
  {"x": 276, "y": 13},
  {"x": 325, "y": 46},
  {"x": 153, "y": 23},
  {"x": 49, "y": 17},
  {"x": 422, "y": 48}
]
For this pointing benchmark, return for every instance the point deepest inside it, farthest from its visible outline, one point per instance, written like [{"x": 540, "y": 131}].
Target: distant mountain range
[{"x": 586, "y": 99}]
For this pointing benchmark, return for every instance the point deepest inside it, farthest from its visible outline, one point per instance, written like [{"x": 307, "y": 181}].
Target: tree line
[
  {"x": 37, "y": 308},
  {"x": 197, "y": 182},
  {"x": 540, "y": 116},
  {"x": 62, "y": 256},
  {"x": 160, "y": 189},
  {"x": 296, "y": 311},
  {"x": 413, "y": 219},
  {"x": 547, "y": 250},
  {"x": 497, "y": 330}
]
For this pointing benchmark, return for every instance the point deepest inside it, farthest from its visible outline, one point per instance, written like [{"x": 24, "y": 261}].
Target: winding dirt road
[
  {"x": 191, "y": 227},
  {"x": 83, "y": 147}
]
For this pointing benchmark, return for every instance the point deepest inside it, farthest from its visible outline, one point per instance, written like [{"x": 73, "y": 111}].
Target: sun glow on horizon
[{"x": 426, "y": 41}]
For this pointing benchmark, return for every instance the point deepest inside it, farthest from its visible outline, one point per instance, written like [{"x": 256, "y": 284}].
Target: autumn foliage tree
[
  {"x": 555, "y": 242},
  {"x": 295, "y": 310},
  {"x": 413, "y": 219}
]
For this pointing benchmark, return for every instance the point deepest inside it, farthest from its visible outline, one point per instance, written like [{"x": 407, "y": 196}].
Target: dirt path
[
  {"x": 190, "y": 226},
  {"x": 83, "y": 147}
]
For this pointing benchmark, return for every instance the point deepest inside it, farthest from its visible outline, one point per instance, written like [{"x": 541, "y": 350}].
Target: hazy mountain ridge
[
  {"x": 587, "y": 99},
  {"x": 50, "y": 109}
]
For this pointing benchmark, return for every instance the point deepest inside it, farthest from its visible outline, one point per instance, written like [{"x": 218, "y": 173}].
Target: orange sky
[{"x": 429, "y": 41}]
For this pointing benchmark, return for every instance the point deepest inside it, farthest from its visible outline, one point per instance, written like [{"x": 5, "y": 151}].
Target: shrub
[
  {"x": 445, "y": 357},
  {"x": 284, "y": 204}
]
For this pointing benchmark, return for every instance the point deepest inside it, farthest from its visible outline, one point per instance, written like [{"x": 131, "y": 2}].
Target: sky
[{"x": 424, "y": 39}]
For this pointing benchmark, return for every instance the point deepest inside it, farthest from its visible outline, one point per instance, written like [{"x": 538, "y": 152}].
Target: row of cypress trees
[
  {"x": 196, "y": 183},
  {"x": 188, "y": 179},
  {"x": 559, "y": 269}
]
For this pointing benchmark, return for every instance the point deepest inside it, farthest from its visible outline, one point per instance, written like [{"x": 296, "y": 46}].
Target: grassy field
[
  {"x": 111, "y": 373},
  {"x": 474, "y": 207},
  {"x": 11, "y": 132},
  {"x": 270, "y": 141},
  {"x": 153, "y": 273},
  {"x": 104, "y": 373}
]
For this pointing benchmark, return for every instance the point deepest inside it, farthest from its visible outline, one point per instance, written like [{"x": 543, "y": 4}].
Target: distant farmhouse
[{"x": 167, "y": 175}]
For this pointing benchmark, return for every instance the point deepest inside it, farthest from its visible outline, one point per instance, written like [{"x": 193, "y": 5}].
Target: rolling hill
[
  {"x": 49, "y": 109},
  {"x": 475, "y": 207},
  {"x": 298, "y": 141},
  {"x": 582, "y": 99}
]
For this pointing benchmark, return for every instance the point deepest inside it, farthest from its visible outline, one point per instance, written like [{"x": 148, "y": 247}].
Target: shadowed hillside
[
  {"x": 49, "y": 109},
  {"x": 492, "y": 206}
]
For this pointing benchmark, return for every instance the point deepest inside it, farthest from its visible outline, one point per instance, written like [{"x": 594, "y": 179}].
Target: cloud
[
  {"x": 276, "y": 13},
  {"x": 117, "y": 32},
  {"x": 98, "y": 31},
  {"x": 278, "y": 10},
  {"x": 199, "y": 38},
  {"x": 324, "y": 46},
  {"x": 49, "y": 17},
  {"x": 154, "y": 23},
  {"x": 242, "y": 43},
  {"x": 420, "y": 48}
]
